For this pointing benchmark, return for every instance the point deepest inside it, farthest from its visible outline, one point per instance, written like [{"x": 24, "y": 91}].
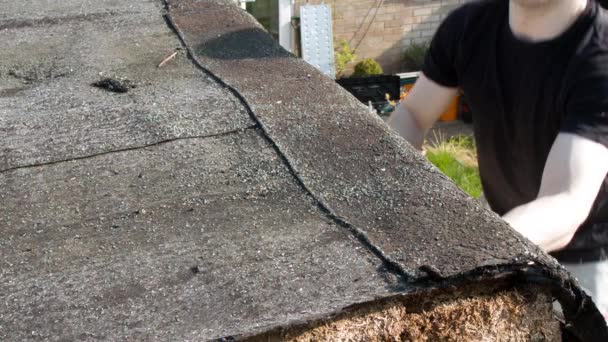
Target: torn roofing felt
[{"x": 233, "y": 190}]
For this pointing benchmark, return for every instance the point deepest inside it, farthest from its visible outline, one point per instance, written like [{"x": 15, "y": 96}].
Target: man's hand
[
  {"x": 573, "y": 175},
  {"x": 417, "y": 113}
]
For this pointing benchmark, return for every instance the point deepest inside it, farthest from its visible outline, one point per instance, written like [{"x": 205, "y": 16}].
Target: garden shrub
[
  {"x": 367, "y": 67},
  {"x": 343, "y": 54},
  {"x": 414, "y": 56}
]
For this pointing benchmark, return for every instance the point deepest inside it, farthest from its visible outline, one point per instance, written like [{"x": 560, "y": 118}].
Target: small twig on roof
[{"x": 166, "y": 60}]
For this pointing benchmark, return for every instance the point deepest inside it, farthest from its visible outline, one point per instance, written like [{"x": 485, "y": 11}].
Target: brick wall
[{"x": 382, "y": 29}]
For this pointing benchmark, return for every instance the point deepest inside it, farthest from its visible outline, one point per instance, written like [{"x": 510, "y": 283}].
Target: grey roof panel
[
  {"x": 188, "y": 240},
  {"x": 49, "y": 109},
  {"x": 364, "y": 175},
  {"x": 222, "y": 196}
]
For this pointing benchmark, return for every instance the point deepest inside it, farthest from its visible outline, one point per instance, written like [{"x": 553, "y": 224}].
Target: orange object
[{"x": 452, "y": 113}]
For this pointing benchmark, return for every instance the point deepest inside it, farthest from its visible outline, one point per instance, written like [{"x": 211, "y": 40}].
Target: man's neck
[{"x": 541, "y": 22}]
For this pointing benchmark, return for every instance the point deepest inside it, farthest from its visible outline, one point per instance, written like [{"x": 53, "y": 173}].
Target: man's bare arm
[
  {"x": 417, "y": 113},
  {"x": 574, "y": 172}
]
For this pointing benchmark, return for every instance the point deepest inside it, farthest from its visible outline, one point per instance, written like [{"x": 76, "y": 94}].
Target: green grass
[{"x": 457, "y": 159}]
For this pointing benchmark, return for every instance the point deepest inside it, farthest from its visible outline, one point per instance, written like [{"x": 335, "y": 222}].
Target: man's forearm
[
  {"x": 404, "y": 123},
  {"x": 416, "y": 114},
  {"x": 549, "y": 222},
  {"x": 573, "y": 175}
]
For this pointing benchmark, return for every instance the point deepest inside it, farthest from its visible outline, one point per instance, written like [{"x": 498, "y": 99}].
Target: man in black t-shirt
[{"x": 535, "y": 74}]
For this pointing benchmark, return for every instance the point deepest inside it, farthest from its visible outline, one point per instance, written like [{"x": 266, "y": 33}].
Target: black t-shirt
[{"x": 522, "y": 94}]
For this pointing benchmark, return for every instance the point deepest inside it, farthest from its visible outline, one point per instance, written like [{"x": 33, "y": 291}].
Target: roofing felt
[{"x": 232, "y": 190}]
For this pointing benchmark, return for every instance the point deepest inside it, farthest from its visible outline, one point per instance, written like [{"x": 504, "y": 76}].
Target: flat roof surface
[{"x": 232, "y": 190}]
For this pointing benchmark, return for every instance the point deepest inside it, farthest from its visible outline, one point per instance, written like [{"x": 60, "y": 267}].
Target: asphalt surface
[{"x": 233, "y": 190}]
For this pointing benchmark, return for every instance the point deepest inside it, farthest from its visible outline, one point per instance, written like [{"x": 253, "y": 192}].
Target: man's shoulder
[
  {"x": 591, "y": 57},
  {"x": 461, "y": 35},
  {"x": 600, "y": 30}
]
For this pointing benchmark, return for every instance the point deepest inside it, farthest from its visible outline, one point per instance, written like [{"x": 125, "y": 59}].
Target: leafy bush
[
  {"x": 414, "y": 56},
  {"x": 343, "y": 54},
  {"x": 367, "y": 67}
]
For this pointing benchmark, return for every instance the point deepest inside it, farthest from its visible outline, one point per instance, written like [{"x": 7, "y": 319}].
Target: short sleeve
[
  {"x": 440, "y": 60},
  {"x": 587, "y": 104}
]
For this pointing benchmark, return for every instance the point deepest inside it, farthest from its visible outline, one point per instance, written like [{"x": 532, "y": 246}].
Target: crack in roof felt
[
  {"x": 12, "y": 24},
  {"x": 233, "y": 71},
  {"x": 131, "y": 148},
  {"x": 263, "y": 124},
  {"x": 361, "y": 235}
]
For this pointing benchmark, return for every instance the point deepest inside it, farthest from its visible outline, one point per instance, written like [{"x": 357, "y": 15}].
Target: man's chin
[{"x": 536, "y": 3}]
